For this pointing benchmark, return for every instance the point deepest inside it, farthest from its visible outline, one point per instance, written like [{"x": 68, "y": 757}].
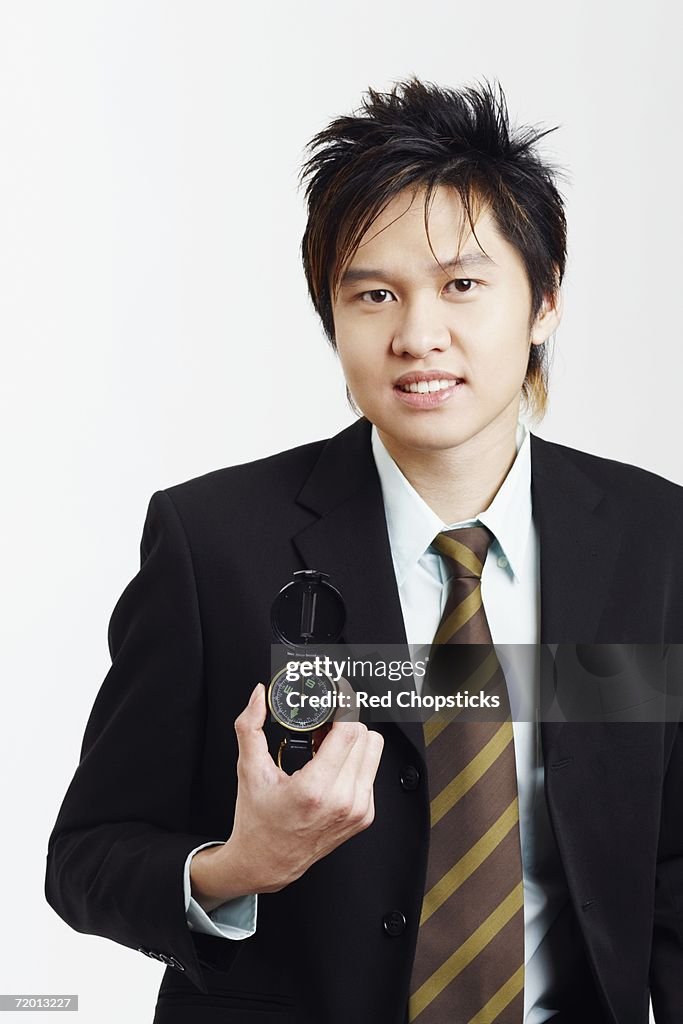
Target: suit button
[
  {"x": 141, "y": 949},
  {"x": 177, "y": 964},
  {"x": 394, "y": 922},
  {"x": 410, "y": 778},
  {"x": 166, "y": 959}
]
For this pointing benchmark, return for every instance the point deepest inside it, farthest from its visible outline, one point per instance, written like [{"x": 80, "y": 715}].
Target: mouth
[
  {"x": 427, "y": 389},
  {"x": 422, "y": 385}
]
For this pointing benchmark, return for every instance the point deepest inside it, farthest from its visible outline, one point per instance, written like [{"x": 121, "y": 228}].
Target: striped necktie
[{"x": 469, "y": 962}]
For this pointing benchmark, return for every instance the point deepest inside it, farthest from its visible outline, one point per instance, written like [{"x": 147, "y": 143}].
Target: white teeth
[{"x": 422, "y": 386}]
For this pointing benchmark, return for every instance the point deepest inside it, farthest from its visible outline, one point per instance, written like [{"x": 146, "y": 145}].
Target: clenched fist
[{"x": 284, "y": 823}]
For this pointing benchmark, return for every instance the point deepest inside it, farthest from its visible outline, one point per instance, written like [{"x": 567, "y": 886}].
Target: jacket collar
[{"x": 413, "y": 525}]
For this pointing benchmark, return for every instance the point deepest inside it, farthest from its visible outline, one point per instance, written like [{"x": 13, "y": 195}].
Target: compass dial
[{"x": 304, "y": 704}]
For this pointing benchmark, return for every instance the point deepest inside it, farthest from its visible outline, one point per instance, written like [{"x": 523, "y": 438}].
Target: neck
[{"x": 459, "y": 483}]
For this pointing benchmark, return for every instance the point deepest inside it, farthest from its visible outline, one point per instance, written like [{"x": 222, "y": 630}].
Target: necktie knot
[{"x": 465, "y": 549}]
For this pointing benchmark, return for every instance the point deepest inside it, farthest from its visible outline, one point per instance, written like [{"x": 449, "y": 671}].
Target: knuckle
[
  {"x": 349, "y": 733},
  {"x": 377, "y": 741},
  {"x": 345, "y": 808},
  {"x": 368, "y": 809},
  {"x": 369, "y": 817},
  {"x": 357, "y": 816},
  {"x": 312, "y": 797},
  {"x": 366, "y": 803}
]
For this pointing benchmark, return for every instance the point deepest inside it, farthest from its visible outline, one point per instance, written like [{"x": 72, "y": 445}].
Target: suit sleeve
[
  {"x": 666, "y": 966},
  {"x": 117, "y": 852}
]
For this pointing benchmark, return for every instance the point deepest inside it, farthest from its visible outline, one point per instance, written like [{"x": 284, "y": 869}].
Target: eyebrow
[{"x": 467, "y": 259}]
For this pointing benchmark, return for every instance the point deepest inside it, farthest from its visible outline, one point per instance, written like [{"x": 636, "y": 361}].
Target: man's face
[{"x": 400, "y": 321}]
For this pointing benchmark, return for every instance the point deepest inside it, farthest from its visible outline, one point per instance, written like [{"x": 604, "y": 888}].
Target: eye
[
  {"x": 464, "y": 281},
  {"x": 374, "y": 292}
]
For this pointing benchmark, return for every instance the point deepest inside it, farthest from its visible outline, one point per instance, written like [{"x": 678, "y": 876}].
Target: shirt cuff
[{"x": 234, "y": 919}]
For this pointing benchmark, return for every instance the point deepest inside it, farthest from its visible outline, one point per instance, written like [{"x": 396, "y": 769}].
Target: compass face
[{"x": 305, "y": 704}]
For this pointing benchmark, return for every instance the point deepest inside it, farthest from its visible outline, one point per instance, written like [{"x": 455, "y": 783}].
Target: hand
[{"x": 284, "y": 823}]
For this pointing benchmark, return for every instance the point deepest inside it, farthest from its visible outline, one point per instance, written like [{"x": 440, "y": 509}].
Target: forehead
[{"x": 397, "y": 241}]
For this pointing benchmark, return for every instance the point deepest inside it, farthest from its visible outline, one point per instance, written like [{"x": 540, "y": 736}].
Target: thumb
[{"x": 251, "y": 738}]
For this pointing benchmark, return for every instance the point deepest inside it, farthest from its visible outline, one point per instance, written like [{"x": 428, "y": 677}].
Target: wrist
[
  {"x": 222, "y": 873},
  {"x": 217, "y": 876}
]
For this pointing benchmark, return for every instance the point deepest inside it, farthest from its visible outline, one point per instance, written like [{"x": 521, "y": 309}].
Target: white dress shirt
[{"x": 510, "y": 586}]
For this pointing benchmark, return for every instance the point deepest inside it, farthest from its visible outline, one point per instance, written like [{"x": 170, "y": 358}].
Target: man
[{"x": 497, "y": 873}]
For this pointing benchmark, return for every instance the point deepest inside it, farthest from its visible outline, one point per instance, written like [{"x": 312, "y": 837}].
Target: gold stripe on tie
[
  {"x": 459, "y": 617},
  {"x": 470, "y": 861},
  {"x": 471, "y": 773},
  {"x": 479, "y": 679},
  {"x": 463, "y": 956},
  {"x": 497, "y": 1003}
]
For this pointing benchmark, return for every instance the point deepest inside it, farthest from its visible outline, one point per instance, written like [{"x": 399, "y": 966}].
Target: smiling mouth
[{"x": 422, "y": 387}]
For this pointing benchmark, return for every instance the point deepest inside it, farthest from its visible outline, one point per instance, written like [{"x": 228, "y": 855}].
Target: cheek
[
  {"x": 502, "y": 340},
  {"x": 358, "y": 351},
  {"x": 354, "y": 362}
]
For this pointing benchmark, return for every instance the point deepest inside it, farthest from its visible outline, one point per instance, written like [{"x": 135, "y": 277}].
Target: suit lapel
[
  {"x": 351, "y": 542},
  {"x": 579, "y": 543}
]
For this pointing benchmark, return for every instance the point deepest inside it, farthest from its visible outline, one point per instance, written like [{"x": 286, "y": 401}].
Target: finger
[
  {"x": 253, "y": 746},
  {"x": 350, "y": 712},
  {"x": 319, "y": 735},
  {"x": 367, "y": 771},
  {"x": 333, "y": 752},
  {"x": 369, "y": 814},
  {"x": 348, "y": 771},
  {"x": 361, "y": 782},
  {"x": 360, "y": 767}
]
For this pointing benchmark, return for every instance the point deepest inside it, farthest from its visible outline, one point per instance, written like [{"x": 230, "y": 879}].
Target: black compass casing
[{"x": 307, "y": 614}]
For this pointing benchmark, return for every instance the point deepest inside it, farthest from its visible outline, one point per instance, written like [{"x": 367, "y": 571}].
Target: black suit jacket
[{"x": 190, "y": 637}]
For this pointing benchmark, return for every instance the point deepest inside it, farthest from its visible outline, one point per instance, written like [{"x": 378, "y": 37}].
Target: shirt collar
[{"x": 412, "y": 525}]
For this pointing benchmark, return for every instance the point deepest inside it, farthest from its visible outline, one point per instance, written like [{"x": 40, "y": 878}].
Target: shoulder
[
  {"x": 271, "y": 480},
  {"x": 641, "y": 490}
]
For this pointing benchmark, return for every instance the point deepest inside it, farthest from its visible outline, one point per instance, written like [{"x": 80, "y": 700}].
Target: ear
[{"x": 548, "y": 319}]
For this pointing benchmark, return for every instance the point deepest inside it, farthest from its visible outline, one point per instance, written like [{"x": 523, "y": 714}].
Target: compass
[{"x": 307, "y": 612}]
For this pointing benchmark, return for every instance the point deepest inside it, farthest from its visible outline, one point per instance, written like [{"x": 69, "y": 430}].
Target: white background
[{"x": 155, "y": 323}]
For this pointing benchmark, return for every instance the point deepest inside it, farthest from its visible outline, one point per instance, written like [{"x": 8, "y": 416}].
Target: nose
[{"x": 421, "y": 330}]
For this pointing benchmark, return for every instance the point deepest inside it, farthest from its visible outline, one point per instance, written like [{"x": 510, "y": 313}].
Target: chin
[{"x": 429, "y": 437}]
